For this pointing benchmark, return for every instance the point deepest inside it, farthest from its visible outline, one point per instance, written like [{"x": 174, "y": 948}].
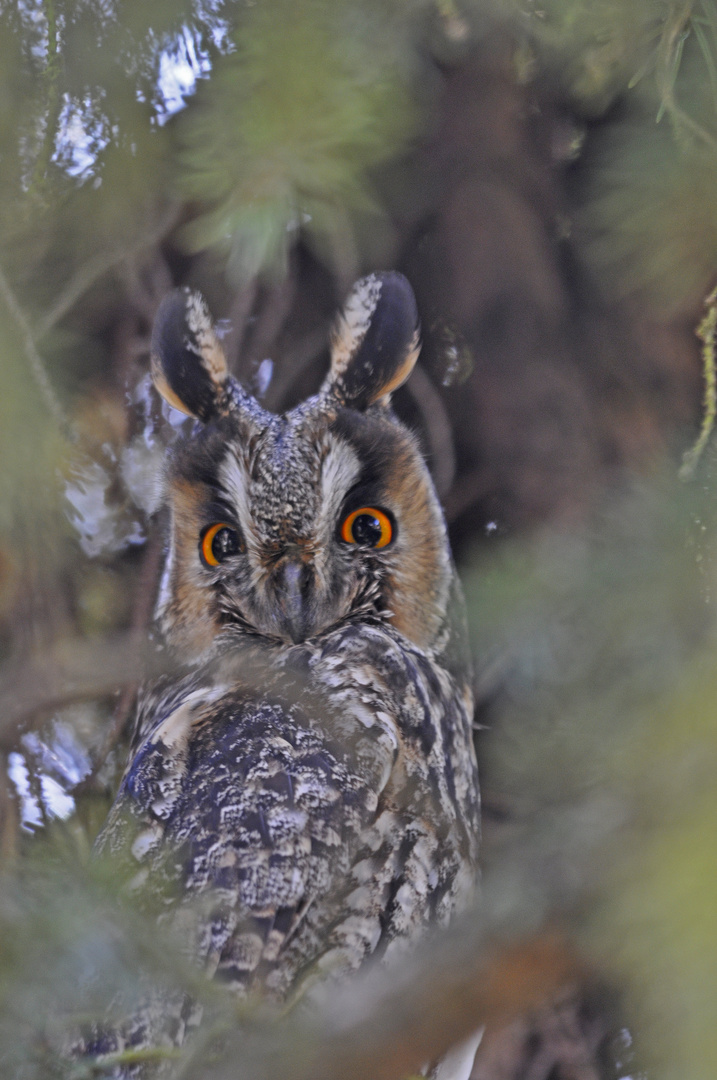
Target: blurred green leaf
[
  {"x": 282, "y": 136},
  {"x": 647, "y": 222}
]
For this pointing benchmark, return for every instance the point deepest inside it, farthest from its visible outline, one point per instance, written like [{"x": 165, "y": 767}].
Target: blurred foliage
[
  {"x": 282, "y": 136},
  {"x": 601, "y": 746},
  {"x": 297, "y": 107},
  {"x": 649, "y": 212},
  {"x": 79, "y": 145},
  {"x": 596, "y": 48},
  {"x": 30, "y": 446},
  {"x": 72, "y": 956},
  {"x": 647, "y": 207}
]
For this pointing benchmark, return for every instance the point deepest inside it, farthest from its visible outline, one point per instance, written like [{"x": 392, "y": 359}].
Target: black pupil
[
  {"x": 366, "y": 529},
  {"x": 224, "y": 544}
]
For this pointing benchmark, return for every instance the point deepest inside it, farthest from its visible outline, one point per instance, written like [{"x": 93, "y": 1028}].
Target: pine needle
[{"x": 706, "y": 332}]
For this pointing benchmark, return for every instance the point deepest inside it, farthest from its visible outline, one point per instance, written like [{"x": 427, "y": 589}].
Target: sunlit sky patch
[
  {"x": 84, "y": 130},
  {"x": 183, "y": 62},
  {"x": 83, "y": 133},
  {"x": 180, "y": 65},
  {"x": 30, "y": 813},
  {"x": 56, "y": 762}
]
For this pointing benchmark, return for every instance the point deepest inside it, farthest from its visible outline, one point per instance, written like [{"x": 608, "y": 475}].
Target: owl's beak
[{"x": 294, "y": 582}]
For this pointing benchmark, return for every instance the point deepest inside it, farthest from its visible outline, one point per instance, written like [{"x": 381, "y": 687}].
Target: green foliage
[
  {"x": 73, "y": 953},
  {"x": 596, "y": 47},
  {"x": 657, "y": 923},
  {"x": 603, "y": 744},
  {"x": 305, "y": 101},
  {"x": 31, "y": 443},
  {"x": 647, "y": 214},
  {"x": 282, "y": 136},
  {"x": 649, "y": 217}
]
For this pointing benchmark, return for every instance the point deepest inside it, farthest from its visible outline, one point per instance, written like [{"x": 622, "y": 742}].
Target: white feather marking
[
  {"x": 340, "y": 469},
  {"x": 234, "y": 479},
  {"x": 146, "y": 841},
  {"x": 353, "y": 323},
  {"x": 164, "y": 594},
  {"x": 174, "y": 729},
  {"x": 207, "y": 347},
  {"x": 457, "y": 1064}
]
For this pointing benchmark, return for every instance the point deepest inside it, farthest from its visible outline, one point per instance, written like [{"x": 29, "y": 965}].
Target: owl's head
[{"x": 288, "y": 526}]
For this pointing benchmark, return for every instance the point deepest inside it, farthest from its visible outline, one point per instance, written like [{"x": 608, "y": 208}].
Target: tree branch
[
  {"x": 384, "y": 1024},
  {"x": 96, "y": 267},
  {"x": 74, "y": 670},
  {"x": 35, "y": 361}
]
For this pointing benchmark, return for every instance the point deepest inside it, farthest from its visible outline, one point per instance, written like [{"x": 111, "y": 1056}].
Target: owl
[{"x": 302, "y": 792}]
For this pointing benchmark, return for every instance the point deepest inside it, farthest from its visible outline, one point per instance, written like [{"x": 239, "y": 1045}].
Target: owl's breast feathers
[{"x": 293, "y": 828}]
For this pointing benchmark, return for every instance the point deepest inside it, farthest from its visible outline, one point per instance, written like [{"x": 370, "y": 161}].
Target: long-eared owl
[{"x": 304, "y": 792}]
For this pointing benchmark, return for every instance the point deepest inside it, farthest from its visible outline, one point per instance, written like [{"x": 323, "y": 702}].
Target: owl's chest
[{"x": 327, "y": 821}]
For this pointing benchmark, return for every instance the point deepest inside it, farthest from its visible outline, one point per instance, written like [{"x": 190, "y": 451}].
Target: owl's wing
[
  {"x": 239, "y": 815},
  {"x": 294, "y": 833}
]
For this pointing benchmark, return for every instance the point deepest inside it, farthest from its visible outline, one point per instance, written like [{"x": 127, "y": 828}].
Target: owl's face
[{"x": 287, "y": 526}]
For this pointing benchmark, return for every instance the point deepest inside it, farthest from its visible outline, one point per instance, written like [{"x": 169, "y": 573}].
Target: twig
[
  {"x": 238, "y": 317},
  {"x": 706, "y": 332},
  {"x": 270, "y": 319},
  {"x": 110, "y": 1062},
  {"x": 293, "y": 364},
  {"x": 77, "y": 287},
  {"x": 672, "y": 41},
  {"x": 79, "y": 670},
  {"x": 74, "y": 670},
  {"x": 142, "y": 613},
  {"x": 384, "y": 1025},
  {"x": 438, "y": 428},
  {"x": 99, "y": 265},
  {"x": 146, "y": 289},
  {"x": 34, "y": 359}
]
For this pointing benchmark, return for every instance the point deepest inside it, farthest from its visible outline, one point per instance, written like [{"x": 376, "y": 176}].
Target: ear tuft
[
  {"x": 375, "y": 342},
  {"x": 189, "y": 368}
]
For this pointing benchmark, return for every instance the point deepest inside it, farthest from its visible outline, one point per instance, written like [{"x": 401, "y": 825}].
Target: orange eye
[
  {"x": 367, "y": 526},
  {"x": 218, "y": 543}
]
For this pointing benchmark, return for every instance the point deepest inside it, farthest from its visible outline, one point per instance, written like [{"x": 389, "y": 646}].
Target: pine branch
[
  {"x": 35, "y": 361},
  {"x": 98, "y": 266},
  {"x": 385, "y": 1025}
]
